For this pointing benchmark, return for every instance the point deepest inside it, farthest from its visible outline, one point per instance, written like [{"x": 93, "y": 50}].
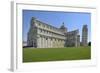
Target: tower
[
  {"x": 84, "y": 35},
  {"x": 32, "y": 33}
]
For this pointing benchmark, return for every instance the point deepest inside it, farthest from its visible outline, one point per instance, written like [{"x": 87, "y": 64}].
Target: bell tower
[{"x": 84, "y": 35}]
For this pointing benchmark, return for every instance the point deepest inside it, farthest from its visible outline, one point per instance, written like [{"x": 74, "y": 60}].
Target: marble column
[
  {"x": 38, "y": 42},
  {"x": 46, "y": 42},
  {"x": 43, "y": 42},
  {"x": 75, "y": 41},
  {"x": 49, "y": 42}
]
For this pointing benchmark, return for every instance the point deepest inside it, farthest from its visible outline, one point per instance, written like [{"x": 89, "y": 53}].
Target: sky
[{"x": 72, "y": 20}]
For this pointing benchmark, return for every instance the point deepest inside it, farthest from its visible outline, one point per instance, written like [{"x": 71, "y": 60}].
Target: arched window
[
  {"x": 39, "y": 24},
  {"x": 41, "y": 30}
]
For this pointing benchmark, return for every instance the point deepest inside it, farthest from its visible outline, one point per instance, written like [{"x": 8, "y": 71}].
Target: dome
[{"x": 63, "y": 27}]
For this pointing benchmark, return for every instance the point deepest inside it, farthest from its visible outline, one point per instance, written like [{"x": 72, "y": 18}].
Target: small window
[
  {"x": 41, "y": 30},
  {"x": 50, "y": 27},
  {"x": 46, "y": 38},
  {"x": 47, "y": 32},
  {"x": 39, "y": 24},
  {"x": 43, "y": 25}
]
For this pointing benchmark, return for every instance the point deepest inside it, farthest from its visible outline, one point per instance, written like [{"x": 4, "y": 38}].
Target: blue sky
[{"x": 72, "y": 20}]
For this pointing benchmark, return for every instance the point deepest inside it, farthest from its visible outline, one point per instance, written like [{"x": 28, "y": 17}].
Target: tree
[{"x": 89, "y": 44}]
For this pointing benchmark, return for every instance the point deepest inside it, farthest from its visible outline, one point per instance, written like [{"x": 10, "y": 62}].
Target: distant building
[
  {"x": 42, "y": 35},
  {"x": 24, "y": 43},
  {"x": 84, "y": 35}
]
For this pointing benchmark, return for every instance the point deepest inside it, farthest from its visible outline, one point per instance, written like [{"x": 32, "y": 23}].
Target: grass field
[{"x": 56, "y": 54}]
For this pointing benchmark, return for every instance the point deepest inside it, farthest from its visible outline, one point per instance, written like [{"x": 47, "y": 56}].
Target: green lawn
[{"x": 55, "y": 54}]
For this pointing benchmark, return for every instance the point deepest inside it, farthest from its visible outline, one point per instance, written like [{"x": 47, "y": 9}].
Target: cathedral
[{"x": 43, "y": 35}]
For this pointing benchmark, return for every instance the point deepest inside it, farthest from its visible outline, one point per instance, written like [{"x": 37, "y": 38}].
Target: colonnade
[{"x": 49, "y": 42}]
